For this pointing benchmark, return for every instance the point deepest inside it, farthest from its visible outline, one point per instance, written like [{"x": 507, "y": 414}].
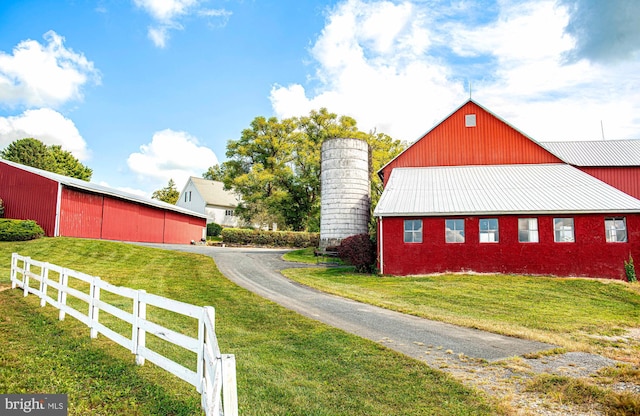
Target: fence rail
[{"x": 215, "y": 375}]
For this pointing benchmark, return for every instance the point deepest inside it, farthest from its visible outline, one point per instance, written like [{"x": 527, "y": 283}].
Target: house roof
[
  {"x": 213, "y": 192},
  {"x": 597, "y": 153},
  {"x": 499, "y": 189},
  {"x": 103, "y": 190}
]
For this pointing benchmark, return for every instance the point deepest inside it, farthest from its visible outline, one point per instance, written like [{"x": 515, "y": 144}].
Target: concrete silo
[{"x": 345, "y": 190}]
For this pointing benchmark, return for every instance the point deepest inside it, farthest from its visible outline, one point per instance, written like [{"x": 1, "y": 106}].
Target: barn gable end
[{"x": 471, "y": 135}]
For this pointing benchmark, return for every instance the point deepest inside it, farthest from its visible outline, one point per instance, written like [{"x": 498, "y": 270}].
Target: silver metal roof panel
[
  {"x": 504, "y": 189},
  {"x": 597, "y": 153}
]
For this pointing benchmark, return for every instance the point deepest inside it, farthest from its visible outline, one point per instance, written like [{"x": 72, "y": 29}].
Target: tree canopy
[
  {"x": 32, "y": 152},
  {"x": 168, "y": 194},
  {"x": 275, "y": 166}
]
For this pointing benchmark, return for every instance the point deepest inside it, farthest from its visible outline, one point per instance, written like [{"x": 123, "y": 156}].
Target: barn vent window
[
  {"x": 454, "y": 231},
  {"x": 470, "y": 120},
  {"x": 489, "y": 230},
  {"x": 563, "y": 230},
  {"x": 413, "y": 231},
  {"x": 616, "y": 229},
  {"x": 528, "y": 230}
]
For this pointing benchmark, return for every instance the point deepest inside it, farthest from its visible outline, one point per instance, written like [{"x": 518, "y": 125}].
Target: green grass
[
  {"x": 286, "y": 364},
  {"x": 583, "y": 314}
]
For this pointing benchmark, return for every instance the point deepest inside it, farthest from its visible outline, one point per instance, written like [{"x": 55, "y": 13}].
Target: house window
[
  {"x": 228, "y": 213},
  {"x": 615, "y": 229},
  {"x": 563, "y": 230},
  {"x": 454, "y": 231},
  {"x": 528, "y": 230},
  {"x": 489, "y": 230},
  {"x": 413, "y": 231}
]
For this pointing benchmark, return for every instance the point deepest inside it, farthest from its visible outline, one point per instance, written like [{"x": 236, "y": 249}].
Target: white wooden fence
[{"x": 215, "y": 375}]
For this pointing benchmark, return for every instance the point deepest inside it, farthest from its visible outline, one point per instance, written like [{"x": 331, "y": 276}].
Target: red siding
[
  {"x": 490, "y": 142},
  {"x": 29, "y": 196},
  {"x": 127, "y": 221},
  {"x": 177, "y": 231},
  {"x": 627, "y": 179},
  {"x": 80, "y": 214},
  {"x": 590, "y": 254}
]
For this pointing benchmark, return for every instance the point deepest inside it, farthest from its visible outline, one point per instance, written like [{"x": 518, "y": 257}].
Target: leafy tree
[
  {"x": 168, "y": 194},
  {"x": 34, "y": 153},
  {"x": 214, "y": 173},
  {"x": 275, "y": 166}
]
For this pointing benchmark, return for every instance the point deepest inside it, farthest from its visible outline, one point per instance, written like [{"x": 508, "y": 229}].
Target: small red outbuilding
[
  {"x": 70, "y": 207},
  {"x": 475, "y": 194}
]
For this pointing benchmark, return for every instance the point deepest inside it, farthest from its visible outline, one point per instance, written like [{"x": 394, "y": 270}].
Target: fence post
[
  {"x": 94, "y": 308},
  {"x": 139, "y": 334},
  {"x": 14, "y": 270},
  {"x": 200, "y": 358},
  {"x": 229, "y": 385},
  {"x": 62, "y": 293},
  {"x": 44, "y": 275},
  {"x": 25, "y": 276}
]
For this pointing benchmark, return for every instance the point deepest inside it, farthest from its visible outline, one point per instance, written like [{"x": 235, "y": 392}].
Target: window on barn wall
[
  {"x": 489, "y": 230},
  {"x": 528, "y": 230},
  {"x": 563, "y": 230},
  {"x": 616, "y": 229},
  {"x": 413, "y": 231},
  {"x": 454, "y": 231}
]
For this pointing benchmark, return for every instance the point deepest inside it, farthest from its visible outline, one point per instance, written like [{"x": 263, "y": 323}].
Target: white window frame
[
  {"x": 491, "y": 234},
  {"x": 564, "y": 230},
  {"x": 528, "y": 227},
  {"x": 453, "y": 232},
  {"x": 412, "y": 234},
  {"x": 615, "y": 229}
]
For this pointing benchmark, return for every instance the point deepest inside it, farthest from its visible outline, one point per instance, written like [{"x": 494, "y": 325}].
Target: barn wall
[
  {"x": 626, "y": 179},
  {"x": 182, "y": 229},
  {"x": 490, "y": 142},
  {"x": 590, "y": 254},
  {"x": 128, "y": 221},
  {"x": 80, "y": 214},
  {"x": 28, "y": 196}
]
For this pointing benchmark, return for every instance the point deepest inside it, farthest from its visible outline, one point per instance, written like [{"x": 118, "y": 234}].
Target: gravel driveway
[{"x": 483, "y": 360}]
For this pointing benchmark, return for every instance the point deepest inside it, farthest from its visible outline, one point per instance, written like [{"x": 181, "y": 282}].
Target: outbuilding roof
[
  {"x": 213, "y": 192},
  {"x": 499, "y": 189},
  {"x": 103, "y": 190},
  {"x": 596, "y": 153}
]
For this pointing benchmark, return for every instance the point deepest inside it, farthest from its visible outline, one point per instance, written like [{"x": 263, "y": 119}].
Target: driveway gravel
[{"x": 489, "y": 362}]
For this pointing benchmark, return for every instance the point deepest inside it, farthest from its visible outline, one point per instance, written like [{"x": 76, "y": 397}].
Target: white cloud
[
  {"x": 401, "y": 67},
  {"x": 171, "y": 155},
  {"x": 167, "y": 15},
  {"x": 49, "y": 75},
  {"x": 46, "y": 125}
]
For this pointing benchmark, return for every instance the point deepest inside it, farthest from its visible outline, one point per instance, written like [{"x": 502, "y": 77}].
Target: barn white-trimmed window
[
  {"x": 528, "y": 230},
  {"x": 454, "y": 231},
  {"x": 615, "y": 229},
  {"x": 563, "y": 230},
  {"x": 489, "y": 232},
  {"x": 413, "y": 231}
]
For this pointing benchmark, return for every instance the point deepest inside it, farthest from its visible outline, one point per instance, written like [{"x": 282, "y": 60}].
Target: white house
[{"x": 210, "y": 198}]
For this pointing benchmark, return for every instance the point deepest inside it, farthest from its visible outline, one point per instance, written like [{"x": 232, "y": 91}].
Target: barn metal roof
[
  {"x": 103, "y": 190},
  {"x": 503, "y": 189},
  {"x": 597, "y": 153}
]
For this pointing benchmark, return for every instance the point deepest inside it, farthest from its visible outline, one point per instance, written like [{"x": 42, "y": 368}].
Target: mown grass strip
[
  {"x": 286, "y": 364},
  {"x": 582, "y": 314}
]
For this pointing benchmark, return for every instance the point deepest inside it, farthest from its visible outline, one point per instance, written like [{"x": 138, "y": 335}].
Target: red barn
[
  {"x": 70, "y": 207},
  {"x": 475, "y": 194}
]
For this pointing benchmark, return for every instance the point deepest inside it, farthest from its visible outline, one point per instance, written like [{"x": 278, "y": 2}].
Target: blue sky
[{"x": 146, "y": 90}]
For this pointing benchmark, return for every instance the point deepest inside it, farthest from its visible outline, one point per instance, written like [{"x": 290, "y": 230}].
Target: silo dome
[{"x": 345, "y": 190}]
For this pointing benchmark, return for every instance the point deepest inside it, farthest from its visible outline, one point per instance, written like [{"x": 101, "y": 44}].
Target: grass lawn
[
  {"x": 286, "y": 364},
  {"x": 579, "y": 314}
]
